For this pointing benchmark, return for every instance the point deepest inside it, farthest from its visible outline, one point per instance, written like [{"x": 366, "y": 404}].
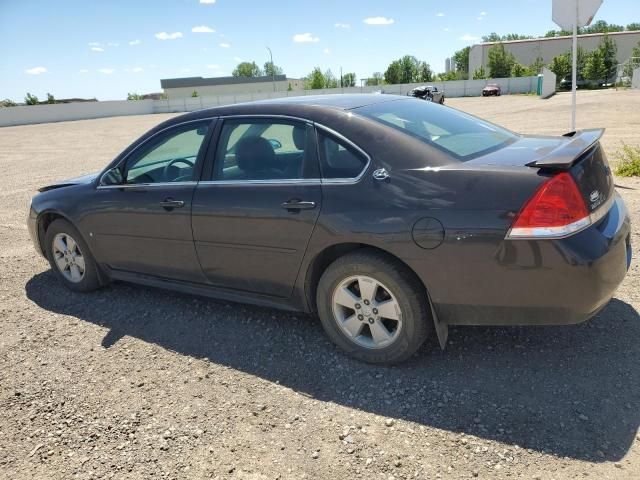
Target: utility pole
[
  {"x": 273, "y": 70},
  {"x": 341, "y": 85}
]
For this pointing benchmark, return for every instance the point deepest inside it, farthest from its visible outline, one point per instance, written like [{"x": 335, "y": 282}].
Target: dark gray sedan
[{"x": 390, "y": 217}]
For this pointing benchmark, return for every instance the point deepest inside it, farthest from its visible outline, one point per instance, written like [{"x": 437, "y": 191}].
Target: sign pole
[
  {"x": 570, "y": 15},
  {"x": 574, "y": 70}
]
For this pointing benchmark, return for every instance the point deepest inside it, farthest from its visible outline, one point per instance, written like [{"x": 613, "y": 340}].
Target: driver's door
[{"x": 143, "y": 224}]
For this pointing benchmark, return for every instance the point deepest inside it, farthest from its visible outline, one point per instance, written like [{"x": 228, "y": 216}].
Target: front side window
[
  {"x": 265, "y": 150},
  {"x": 338, "y": 160},
  {"x": 171, "y": 157},
  {"x": 461, "y": 135}
]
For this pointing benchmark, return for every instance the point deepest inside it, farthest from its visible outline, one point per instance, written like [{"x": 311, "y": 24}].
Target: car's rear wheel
[
  {"x": 441, "y": 101},
  {"x": 70, "y": 258},
  {"x": 373, "y": 307}
]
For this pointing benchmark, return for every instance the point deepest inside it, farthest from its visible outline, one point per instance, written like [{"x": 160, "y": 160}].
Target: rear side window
[
  {"x": 339, "y": 160},
  {"x": 264, "y": 149},
  {"x": 460, "y": 135}
]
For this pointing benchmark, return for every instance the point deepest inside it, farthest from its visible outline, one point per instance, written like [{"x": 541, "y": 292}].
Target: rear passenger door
[{"x": 255, "y": 211}]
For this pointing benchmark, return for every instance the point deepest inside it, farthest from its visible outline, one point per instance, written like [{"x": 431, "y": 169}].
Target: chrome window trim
[
  {"x": 144, "y": 142},
  {"x": 147, "y": 185},
  {"x": 350, "y": 180},
  {"x": 241, "y": 183},
  {"x": 299, "y": 181}
]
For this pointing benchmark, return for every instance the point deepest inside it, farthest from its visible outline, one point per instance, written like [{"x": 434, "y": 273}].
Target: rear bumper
[{"x": 548, "y": 282}]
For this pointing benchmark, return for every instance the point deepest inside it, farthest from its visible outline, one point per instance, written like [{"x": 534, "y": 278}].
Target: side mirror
[{"x": 112, "y": 177}]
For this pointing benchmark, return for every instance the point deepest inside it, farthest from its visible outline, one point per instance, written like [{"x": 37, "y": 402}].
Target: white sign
[{"x": 564, "y": 13}]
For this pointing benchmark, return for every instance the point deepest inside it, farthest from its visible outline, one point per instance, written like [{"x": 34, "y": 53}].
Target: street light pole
[{"x": 273, "y": 72}]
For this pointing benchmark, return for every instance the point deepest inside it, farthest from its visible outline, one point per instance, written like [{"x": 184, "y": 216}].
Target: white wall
[
  {"x": 548, "y": 83},
  {"x": 77, "y": 111},
  {"x": 217, "y": 90},
  {"x": 456, "y": 88},
  {"x": 61, "y": 112},
  {"x": 635, "y": 81},
  {"x": 526, "y": 51}
]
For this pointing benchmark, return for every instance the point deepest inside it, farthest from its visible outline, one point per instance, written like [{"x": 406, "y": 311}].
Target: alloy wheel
[
  {"x": 68, "y": 257},
  {"x": 367, "y": 312}
]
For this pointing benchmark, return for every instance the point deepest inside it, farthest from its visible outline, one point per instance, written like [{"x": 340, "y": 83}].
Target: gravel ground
[{"x": 132, "y": 382}]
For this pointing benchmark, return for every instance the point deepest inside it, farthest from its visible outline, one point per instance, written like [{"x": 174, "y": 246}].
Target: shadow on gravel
[{"x": 569, "y": 391}]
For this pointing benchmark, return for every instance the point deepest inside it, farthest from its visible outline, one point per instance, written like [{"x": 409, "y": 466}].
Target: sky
[{"x": 105, "y": 49}]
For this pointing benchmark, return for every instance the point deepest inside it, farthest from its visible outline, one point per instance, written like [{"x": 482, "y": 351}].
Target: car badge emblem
[{"x": 381, "y": 174}]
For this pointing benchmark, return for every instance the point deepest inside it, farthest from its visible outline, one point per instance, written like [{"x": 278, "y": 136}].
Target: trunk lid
[{"x": 579, "y": 153}]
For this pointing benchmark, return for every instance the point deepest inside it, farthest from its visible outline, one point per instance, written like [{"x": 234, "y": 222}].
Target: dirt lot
[{"x": 131, "y": 382}]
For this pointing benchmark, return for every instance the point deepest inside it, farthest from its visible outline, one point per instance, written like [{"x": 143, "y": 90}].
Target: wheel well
[
  {"x": 330, "y": 255},
  {"x": 44, "y": 220}
]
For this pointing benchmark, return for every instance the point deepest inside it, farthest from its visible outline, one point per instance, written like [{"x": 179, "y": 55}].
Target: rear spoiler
[{"x": 563, "y": 157}]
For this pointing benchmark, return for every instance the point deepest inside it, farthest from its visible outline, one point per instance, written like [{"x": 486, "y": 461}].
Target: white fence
[
  {"x": 61, "y": 112},
  {"x": 24, "y": 115}
]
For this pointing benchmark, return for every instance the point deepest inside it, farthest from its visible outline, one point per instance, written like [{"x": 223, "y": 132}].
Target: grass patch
[{"x": 628, "y": 161}]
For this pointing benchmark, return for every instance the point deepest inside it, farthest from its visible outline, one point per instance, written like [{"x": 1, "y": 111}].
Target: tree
[
  {"x": 444, "y": 77},
  {"x": 8, "y": 103},
  {"x": 494, "y": 37},
  {"x": 594, "y": 68},
  {"x": 194, "y": 94},
  {"x": 375, "y": 79},
  {"x": 315, "y": 80},
  {"x": 392, "y": 75},
  {"x": 601, "y": 27},
  {"x": 31, "y": 99},
  {"x": 500, "y": 61},
  {"x": 349, "y": 80},
  {"x": 134, "y": 96},
  {"x": 461, "y": 60},
  {"x": 536, "y": 67},
  {"x": 557, "y": 33},
  {"x": 330, "y": 80},
  {"x": 247, "y": 69},
  {"x": 408, "y": 69},
  {"x": 424, "y": 72},
  {"x": 519, "y": 70},
  {"x": 561, "y": 66},
  {"x": 479, "y": 74},
  {"x": 271, "y": 69},
  {"x": 609, "y": 50},
  {"x": 289, "y": 88},
  {"x": 633, "y": 26},
  {"x": 633, "y": 62}
]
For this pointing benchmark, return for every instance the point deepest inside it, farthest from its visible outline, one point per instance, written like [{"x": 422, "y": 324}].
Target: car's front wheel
[
  {"x": 70, "y": 257},
  {"x": 373, "y": 307}
]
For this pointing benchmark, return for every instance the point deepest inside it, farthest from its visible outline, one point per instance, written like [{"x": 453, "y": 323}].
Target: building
[
  {"x": 527, "y": 51},
  {"x": 220, "y": 86},
  {"x": 447, "y": 65}
]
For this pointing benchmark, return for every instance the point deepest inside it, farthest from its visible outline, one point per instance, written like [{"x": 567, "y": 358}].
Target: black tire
[
  {"x": 441, "y": 102},
  {"x": 91, "y": 278},
  {"x": 416, "y": 317}
]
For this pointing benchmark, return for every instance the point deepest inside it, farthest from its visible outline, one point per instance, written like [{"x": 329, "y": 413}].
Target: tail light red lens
[{"x": 557, "y": 209}]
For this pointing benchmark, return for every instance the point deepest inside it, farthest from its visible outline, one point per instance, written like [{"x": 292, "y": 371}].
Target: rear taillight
[{"x": 555, "y": 210}]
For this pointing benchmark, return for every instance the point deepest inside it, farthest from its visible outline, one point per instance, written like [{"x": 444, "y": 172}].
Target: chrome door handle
[
  {"x": 298, "y": 205},
  {"x": 169, "y": 203}
]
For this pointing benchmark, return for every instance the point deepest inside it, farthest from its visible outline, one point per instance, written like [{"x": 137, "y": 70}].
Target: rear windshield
[{"x": 458, "y": 134}]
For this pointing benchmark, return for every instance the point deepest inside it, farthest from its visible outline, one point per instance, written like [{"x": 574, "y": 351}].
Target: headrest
[
  {"x": 254, "y": 154},
  {"x": 299, "y": 137}
]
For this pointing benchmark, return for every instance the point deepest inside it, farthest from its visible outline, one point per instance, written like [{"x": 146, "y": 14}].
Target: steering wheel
[{"x": 165, "y": 171}]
